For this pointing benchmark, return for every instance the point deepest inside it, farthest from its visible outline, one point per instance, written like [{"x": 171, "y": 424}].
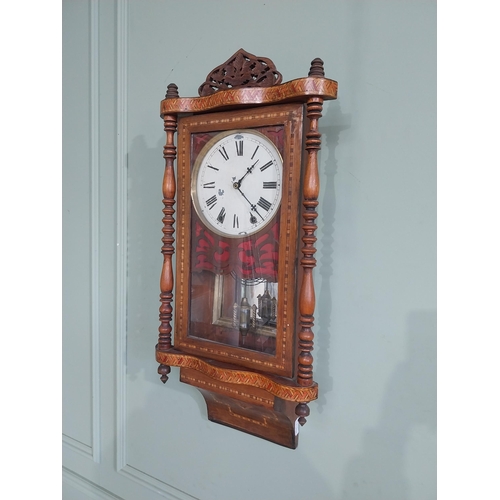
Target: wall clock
[{"x": 246, "y": 188}]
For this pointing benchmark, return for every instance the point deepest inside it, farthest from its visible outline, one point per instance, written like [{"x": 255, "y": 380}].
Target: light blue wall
[{"x": 371, "y": 434}]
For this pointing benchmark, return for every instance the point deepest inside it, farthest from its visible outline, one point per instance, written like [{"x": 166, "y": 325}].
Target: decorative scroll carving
[
  {"x": 167, "y": 274},
  {"x": 307, "y": 300},
  {"x": 242, "y": 69}
]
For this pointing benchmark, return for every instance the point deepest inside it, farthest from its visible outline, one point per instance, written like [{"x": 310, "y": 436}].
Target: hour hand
[{"x": 237, "y": 184}]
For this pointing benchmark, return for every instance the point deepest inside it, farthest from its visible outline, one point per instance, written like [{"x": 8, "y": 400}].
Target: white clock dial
[{"x": 237, "y": 183}]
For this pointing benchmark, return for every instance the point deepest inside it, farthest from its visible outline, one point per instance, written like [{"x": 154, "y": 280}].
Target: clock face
[{"x": 237, "y": 183}]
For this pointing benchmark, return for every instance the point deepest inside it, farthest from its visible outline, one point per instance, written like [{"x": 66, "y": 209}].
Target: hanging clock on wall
[{"x": 245, "y": 188}]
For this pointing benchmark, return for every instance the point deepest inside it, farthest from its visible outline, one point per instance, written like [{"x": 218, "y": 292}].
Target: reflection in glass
[
  {"x": 234, "y": 311},
  {"x": 251, "y": 307}
]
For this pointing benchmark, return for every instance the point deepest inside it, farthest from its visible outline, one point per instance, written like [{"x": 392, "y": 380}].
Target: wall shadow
[
  {"x": 324, "y": 270},
  {"x": 378, "y": 472}
]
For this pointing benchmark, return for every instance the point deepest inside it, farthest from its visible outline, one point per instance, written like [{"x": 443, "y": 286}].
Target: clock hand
[
  {"x": 237, "y": 184},
  {"x": 254, "y": 208}
]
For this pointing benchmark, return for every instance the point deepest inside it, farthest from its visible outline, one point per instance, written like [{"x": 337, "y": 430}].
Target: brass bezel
[{"x": 194, "y": 177}]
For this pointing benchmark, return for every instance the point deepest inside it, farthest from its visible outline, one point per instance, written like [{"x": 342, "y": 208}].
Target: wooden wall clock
[{"x": 246, "y": 188}]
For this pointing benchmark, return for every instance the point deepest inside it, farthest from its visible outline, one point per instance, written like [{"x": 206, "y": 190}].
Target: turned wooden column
[
  {"x": 167, "y": 274},
  {"x": 307, "y": 299}
]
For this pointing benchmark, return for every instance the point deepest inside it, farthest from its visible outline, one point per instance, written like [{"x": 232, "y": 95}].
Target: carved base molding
[{"x": 288, "y": 390}]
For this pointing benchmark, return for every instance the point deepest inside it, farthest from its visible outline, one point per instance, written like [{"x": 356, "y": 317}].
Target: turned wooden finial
[
  {"x": 317, "y": 68},
  {"x": 172, "y": 91},
  {"x": 302, "y": 411}
]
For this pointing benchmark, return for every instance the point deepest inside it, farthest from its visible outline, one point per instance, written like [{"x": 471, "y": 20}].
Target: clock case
[{"x": 261, "y": 393}]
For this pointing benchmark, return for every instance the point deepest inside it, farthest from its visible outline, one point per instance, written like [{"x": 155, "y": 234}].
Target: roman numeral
[
  {"x": 211, "y": 202},
  {"x": 269, "y": 185},
  {"x": 239, "y": 147},
  {"x": 264, "y": 204},
  {"x": 236, "y": 222},
  {"x": 254, "y": 152},
  {"x": 212, "y": 184},
  {"x": 213, "y": 168},
  {"x": 222, "y": 215},
  {"x": 267, "y": 165},
  {"x": 223, "y": 152}
]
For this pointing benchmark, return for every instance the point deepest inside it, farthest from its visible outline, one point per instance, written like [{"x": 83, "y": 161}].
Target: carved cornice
[
  {"x": 288, "y": 392},
  {"x": 299, "y": 90}
]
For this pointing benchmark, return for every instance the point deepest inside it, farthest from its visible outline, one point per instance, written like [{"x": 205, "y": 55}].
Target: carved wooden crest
[{"x": 242, "y": 69}]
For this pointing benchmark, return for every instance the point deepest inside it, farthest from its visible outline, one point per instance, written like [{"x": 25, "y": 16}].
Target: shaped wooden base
[
  {"x": 252, "y": 402},
  {"x": 247, "y": 409}
]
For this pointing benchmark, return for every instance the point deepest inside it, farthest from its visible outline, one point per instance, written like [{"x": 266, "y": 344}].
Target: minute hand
[
  {"x": 254, "y": 208},
  {"x": 249, "y": 169}
]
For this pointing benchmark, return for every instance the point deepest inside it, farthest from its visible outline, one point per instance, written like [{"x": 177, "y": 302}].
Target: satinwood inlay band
[
  {"x": 240, "y": 377},
  {"x": 296, "y": 90}
]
